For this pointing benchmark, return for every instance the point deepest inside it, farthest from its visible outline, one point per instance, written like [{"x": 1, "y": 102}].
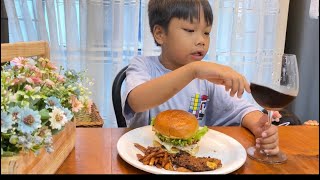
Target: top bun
[{"x": 176, "y": 124}]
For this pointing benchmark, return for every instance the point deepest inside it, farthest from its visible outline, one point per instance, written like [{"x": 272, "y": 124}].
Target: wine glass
[{"x": 275, "y": 86}]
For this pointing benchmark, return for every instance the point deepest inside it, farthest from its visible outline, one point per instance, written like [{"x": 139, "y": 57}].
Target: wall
[
  {"x": 4, "y": 24},
  {"x": 302, "y": 39}
]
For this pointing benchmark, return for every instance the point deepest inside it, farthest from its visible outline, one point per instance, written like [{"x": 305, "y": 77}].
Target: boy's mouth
[{"x": 197, "y": 55}]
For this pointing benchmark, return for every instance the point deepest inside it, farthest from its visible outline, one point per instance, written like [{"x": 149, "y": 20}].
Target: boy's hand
[
  {"x": 223, "y": 75},
  {"x": 311, "y": 123},
  {"x": 267, "y": 139}
]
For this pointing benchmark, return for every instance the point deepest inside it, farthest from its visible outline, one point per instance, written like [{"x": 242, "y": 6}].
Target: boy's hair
[{"x": 162, "y": 11}]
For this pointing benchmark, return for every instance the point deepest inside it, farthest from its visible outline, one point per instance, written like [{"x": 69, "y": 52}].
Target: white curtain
[
  {"x": 246, "y": 35},
  {"x": 101, "y": 36}
]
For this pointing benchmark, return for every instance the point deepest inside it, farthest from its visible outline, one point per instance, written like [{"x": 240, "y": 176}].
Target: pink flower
[
  {"x": 28, "y": 87},
  {"x": 43, "y": 64},
  {"x": 19, "y": 61},
  {"x": 15, "y": 81},
  {"x": 48, "y": 82},
  {"x": 34, "y": 80},
  {"x": 51, "y": 66},
  {"x": 76, "y": 104},
  {"x": 18, "y": 80},
  {"x": 35, "y": 69},
  {"x": 73, "y": 98},
  {"x": 60, "y": 78}
]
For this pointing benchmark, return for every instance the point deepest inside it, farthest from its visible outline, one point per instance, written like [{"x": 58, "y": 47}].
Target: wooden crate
[{"x": 44, "y": 163}]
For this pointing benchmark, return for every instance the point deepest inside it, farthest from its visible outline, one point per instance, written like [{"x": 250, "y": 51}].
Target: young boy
[{"x": 178, "y": 79}]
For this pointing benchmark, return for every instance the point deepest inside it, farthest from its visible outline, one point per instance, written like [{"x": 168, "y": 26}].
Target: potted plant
[{"x": 38, "y": 102}]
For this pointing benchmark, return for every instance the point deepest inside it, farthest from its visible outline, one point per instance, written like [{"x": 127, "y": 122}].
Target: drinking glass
[{"x": 276, "y": 85}]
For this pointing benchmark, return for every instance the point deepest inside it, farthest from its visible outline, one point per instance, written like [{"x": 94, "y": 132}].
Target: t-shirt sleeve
[
  {"x": 224, "y": 110},
  {"x": 136, "y": 74}
]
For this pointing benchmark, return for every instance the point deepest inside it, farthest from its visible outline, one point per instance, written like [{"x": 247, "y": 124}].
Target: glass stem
[{"x": 270, "y": 114}]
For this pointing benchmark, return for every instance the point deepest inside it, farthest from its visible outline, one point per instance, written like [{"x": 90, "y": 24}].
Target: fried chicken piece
[{"x": 195, "y": 164}]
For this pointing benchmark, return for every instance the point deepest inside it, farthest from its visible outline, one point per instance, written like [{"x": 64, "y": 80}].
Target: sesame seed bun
[{"x": 176, "y": 124}]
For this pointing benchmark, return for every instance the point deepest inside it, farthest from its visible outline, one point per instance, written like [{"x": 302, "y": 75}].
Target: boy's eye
[
  {"x": 189, "y": 30},
  {"x": 207, "y": 33}
]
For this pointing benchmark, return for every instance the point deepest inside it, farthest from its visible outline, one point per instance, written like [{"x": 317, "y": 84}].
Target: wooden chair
[
  {"x": 24, "y": 49},
  {"x": 116, "y": 97}
]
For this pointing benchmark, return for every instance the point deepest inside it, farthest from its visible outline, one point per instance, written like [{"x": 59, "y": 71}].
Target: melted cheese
[{"x": 191, "y": 149}]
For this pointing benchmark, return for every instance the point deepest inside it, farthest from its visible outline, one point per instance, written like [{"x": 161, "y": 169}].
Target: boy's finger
[
  {"x": 268, "y": 146},
  {"x": 272, "y": 151},
  {"x": 228, "y": 84},
  {"x": 235, "y": 87},
  {"x": 272, "y": 130},
  {"x": 241, "y": 89},
  {"x": 276, "y": 114},
  {"x": 247, "y": 86},
  {"x": 268, "y": 140}
]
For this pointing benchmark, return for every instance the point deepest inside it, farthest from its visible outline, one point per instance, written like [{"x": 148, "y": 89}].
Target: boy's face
[{"x": 185, "y": 42}]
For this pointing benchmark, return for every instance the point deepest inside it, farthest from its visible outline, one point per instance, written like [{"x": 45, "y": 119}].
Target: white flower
[
  {"x": 57, "y": 118},
  {"x": 37, "y": 89},
  {"x": 13, "y": 97}
]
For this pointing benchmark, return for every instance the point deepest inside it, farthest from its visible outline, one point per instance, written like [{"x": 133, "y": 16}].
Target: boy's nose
[
  {"x": 200, "y": 44},
  {"x": 200, "y": 41}
]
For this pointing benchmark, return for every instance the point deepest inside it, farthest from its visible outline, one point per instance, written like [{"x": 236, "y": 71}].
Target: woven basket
[{"x": 89, "y": 120}]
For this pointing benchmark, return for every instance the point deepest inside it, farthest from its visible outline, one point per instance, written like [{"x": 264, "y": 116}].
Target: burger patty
[{"x": 195, "y": 164}]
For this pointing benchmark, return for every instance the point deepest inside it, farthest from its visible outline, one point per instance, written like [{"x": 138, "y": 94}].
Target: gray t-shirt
[{"x": 210, "y": 103}]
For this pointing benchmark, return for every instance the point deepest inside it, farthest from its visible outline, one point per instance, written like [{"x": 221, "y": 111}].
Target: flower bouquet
[{"x": 37, "y": 101}]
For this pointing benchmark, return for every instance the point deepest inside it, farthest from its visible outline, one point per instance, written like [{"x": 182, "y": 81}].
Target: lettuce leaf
[
  {"x": 152, "y": 121},
  {"x": 200, "y": 133},
  {"x": 184, "y": 142}
]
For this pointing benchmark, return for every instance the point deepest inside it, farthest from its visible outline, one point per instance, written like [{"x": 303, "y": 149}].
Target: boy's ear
[{"x": 159, "y": 34}]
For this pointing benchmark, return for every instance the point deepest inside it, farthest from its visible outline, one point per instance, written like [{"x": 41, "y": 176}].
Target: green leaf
[
  {"x": 201, "y": 132},
  {"x": 184, "y": 142},
  {"x": 37, "y": 96},
  {"x": 36, "y": 147},
  {"x": 44, "y": 122},
  {"x": 21, "y": 93},
  {"x": 24, "y": 103},
  {"x": 55, "y": 131},
  {"x": 152, "y": 121},
  {"x": 44, "y": 113},
  {"x": 8, "y": 154},
  {"x": 5, "y": 135}
]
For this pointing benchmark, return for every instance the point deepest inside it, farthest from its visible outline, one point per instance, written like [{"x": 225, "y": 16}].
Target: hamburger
[{"x": 178, "y": 130}]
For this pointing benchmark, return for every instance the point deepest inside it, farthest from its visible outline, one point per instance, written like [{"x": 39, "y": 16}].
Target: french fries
[
  {"x": 155, "y": 156},
  {"x": 182, "y": 162},
  {"x": 141, "y": 148}
]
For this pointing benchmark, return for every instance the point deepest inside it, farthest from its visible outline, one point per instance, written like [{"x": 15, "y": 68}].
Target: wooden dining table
[{"x": 96, "y": 152}]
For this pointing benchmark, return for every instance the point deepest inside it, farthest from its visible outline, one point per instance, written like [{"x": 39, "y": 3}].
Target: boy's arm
[
  {"x": 250, "y": 121},
  {"x": 160, "y": 89}
]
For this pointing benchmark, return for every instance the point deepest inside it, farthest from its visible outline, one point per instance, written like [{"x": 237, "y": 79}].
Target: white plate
[{"x": 213, "y": 144}]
